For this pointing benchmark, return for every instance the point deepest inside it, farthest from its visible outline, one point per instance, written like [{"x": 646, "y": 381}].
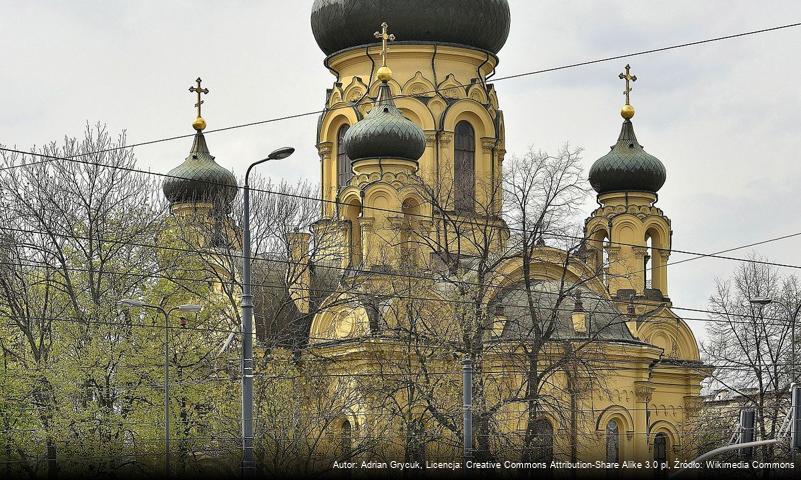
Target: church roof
[
  {"x": 342, "y": 24},
  {"x": 199, "y": 178},
  {"x": 627, "y": 167},
  {"x": 604, "y": 321},
  {"x": 385, "y": 133}
]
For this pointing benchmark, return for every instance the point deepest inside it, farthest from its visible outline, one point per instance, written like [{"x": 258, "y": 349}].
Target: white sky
[{"x": 724, "y": 118}]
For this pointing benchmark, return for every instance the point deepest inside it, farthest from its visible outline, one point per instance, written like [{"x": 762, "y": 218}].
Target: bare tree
[{"x": 751, "y": 344}]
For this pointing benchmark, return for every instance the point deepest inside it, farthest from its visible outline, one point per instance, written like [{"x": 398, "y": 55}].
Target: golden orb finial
[
  {"x": 199, "y": 124},
  {"x": 627, "y": 112},
  {"x": 384, "y": 74}
]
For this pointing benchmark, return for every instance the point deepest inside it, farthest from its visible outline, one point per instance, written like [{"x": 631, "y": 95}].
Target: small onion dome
[
  {"x": 627, "y": 167},
  {"x": 342, "y": 24},
  {"x": 200, "y": 179},
  {"x": 385, "y": 133}
]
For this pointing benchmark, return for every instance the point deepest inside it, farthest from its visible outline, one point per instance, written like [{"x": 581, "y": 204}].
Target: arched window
[
  {"x": 344, "y": 172},
  {"x": 661, "y": 449},
  {"x": 612, "y": 442},
  {"x": 543, "y": 444},
  {"x": 346, "y": 441},
  {"x": 464, "y": 168},
  {"x": 351, "y": 213},
  {"x": 648, "y": 267}
]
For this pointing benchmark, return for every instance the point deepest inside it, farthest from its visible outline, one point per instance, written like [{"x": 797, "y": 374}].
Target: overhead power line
[
  {"x": 698, "y": 255},
  {"x": 288, "y": 262},
  {"x": 494, "y": 80}
]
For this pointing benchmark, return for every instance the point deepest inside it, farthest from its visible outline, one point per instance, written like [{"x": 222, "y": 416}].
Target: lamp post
[
  {"x": 248, "y": 463},
  {"x": 762, "y": 301},
  {"x": 191, "y": 308}
]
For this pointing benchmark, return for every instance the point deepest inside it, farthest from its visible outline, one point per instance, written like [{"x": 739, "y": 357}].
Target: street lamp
[
  {"x": 762, "y": 301},
  {"x": 248, "y": 464},
  {"x": 188, "y": 308}
]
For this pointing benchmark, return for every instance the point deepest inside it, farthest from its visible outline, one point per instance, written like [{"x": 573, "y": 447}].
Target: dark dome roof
[
  {"x": 341, "y": 24},
  {"x": 385, "y": 133},
  {"x": 200, "y": 178},
  {"x": 627, "y": 167}
]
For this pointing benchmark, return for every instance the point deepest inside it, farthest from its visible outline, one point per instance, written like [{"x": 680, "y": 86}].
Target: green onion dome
[
  {"x": 385, "y": 133},
  {"x": 627, "y": 167},
  {"x": 199, "y": 179},
  {"x": 341, "y": 24}
]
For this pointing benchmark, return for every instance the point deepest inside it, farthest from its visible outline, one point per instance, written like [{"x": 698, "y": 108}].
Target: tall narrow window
[
  {"x": 648, "y": 267},
  {"x": 612, "y": 442},
  {"x": 464, "y": 167},
  {"x": 660, "y": 449},
  {"x": 344, "y": 172},
  {"x": 346, "y": 445}
]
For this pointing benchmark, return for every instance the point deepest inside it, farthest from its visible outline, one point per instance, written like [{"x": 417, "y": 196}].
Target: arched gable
[
  {"x": 333, "y": 120},
  {"x": 383, "y": 197},
  {"x": 618, "y": 413},
  {"x": 355, "y": 90},
  {"x": 666, "y": 427},
  {"x": 547, "y": 264},
  {"x": 473, "y": 112},
  {"x": 419, "y": 86},
  {"x": 451, "y": 88},
  {"x": 346, "y": 318},
  {"x": 662, "y": 327},
  {"x": 476, "y": 92},
  {"x": 417, "y": 112}
]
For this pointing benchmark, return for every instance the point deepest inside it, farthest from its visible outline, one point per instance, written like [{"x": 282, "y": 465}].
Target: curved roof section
[
  {"x": 627, "y": 167},
  {"x": 200, "y": 179},
  {"x": 385, "y": 133},
  {"x": 341, "y": 24},
  {"x": 604, "y": 321}
]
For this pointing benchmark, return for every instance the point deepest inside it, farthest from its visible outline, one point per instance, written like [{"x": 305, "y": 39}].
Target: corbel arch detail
[
  {"x": 419, "y": 86},
  {"x": 621, "y": 415}
]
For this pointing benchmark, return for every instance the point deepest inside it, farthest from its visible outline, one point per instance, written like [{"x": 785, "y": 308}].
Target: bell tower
[
  {"x": 443, "y": 56},
  {"x": 628, "y": 237}
]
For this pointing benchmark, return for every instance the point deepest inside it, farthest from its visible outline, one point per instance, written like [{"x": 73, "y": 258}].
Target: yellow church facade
[
  {"x": 421, "y": 272},
  {"x": 576, "y": 353}
]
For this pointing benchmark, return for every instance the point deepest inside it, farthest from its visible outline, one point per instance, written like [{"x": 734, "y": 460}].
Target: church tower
[
  {"x": 444, "y": 54},
  {"x": 629, "y": 238},
  {"x": 200, "y": 191}
]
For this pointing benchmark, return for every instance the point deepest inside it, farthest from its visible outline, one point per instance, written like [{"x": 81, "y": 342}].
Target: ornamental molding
[
  {"x": 325, "y": 149},
  {"x": 644, "y": 390}
]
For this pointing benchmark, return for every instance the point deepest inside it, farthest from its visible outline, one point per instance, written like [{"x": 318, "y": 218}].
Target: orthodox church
[{"x": 412, "y": 269}]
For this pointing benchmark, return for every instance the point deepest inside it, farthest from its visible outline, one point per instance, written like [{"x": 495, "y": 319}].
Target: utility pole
[
  {"x": 467, "y": 397},
  {"x": 248, "y": 459}
]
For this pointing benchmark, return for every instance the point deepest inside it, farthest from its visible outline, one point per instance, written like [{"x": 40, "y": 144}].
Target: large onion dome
[
  {"x": 341, "y": 24},
  {"x": 200, "y": 179},
  {"x": 627, "y": 167},
  {"x": 385, "y": 133}
]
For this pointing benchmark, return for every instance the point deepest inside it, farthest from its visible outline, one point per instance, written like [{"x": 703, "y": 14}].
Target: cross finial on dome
[
  {"x": 627, "y": 111},
  {"x": 384, "y": 73},
  {"x": 199, "y": 124}
]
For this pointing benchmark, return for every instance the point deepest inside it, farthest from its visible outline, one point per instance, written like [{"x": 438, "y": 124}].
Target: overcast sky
[{"x": 724, "y": 118}]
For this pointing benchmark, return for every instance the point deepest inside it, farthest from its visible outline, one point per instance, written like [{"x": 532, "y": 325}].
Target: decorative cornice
[
  {"x": 644, "y": 390},
  {"x": 324, "y": 149}
]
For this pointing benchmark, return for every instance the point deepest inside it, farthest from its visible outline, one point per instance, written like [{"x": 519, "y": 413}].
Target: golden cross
[
  {"x": 199, "y": 91},
  {"x": 628, "y": 77},
  {"x": 385, "y": 37}
]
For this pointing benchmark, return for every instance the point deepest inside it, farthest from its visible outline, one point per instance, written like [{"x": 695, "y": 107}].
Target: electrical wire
[{"x": 495, "y": 80}]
